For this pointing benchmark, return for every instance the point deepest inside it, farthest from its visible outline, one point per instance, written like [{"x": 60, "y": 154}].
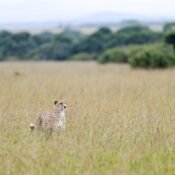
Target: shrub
[
  {"x": 114, "y": 56},
  {"x": 169, "y": 27},
  {"x": 83, "y": 57},
  {"x": 152, "y": 59},
  {"x": 121, "y": 54},
  {"x": 170, "y": 39}
]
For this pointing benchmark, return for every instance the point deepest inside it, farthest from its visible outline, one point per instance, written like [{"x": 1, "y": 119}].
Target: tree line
[
  {"x": 62, "y": 46},
  {"x": 103, "y": 45}
]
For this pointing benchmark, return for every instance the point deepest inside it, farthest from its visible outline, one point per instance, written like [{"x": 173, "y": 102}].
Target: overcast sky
[{"x": 12, "y": 11}]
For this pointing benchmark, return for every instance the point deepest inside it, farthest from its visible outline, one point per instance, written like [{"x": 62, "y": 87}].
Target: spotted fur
[{"x": 51, "y": 121}]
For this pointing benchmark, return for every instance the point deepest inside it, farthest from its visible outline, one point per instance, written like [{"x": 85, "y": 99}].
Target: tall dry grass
[{"x": 119, "y": 121}]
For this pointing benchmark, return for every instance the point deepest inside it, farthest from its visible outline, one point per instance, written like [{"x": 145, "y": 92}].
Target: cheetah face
[{"x": 60, "y": 105}]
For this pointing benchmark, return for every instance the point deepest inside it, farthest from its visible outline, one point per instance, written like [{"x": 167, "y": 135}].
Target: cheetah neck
[
  {"x": 60, "y": 118},
  {"x": 60, "y": 114}
]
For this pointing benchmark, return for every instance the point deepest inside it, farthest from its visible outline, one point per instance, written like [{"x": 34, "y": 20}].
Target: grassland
[{"x": 119, "y": 121}]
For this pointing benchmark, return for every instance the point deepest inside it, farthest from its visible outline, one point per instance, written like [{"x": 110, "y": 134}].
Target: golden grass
[{"x": 119, "y": 121}]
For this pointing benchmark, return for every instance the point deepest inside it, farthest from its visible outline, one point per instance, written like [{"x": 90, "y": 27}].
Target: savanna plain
[{"x": 120, "y": 121}]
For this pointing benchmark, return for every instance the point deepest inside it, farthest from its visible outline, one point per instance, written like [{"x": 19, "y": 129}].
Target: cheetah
[{"x": 51, "y": 121}]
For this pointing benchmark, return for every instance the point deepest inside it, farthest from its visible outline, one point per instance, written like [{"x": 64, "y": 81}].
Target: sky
[{"x": 16, "y": 11}]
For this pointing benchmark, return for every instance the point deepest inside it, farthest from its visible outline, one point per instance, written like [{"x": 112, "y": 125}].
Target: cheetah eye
[{"x": 55, "y": 102}]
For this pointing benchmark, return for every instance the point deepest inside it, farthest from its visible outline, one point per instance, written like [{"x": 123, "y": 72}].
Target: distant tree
[
  {"x": 170, "y": 39},
  {"x": 17, "y": 45},
  {"x": 134, "y": 29},
  {"x": 70, "y": 35},
  {"x": 20, "y": 37},
  {"x": 104, "y": 31},
  {"x": 96, "y": 42},
  {"x": 43, "y": 38},
  {"x": 21, "y": 45},
  {"x": 63, "y": 45},
  {"x": 54, "y": 50},
  {"x": 4, "y": 34},
  {"x": 63, "y": 38},
  {"x": 135, "y": 35},
  {"x": 169, "y": 27}
]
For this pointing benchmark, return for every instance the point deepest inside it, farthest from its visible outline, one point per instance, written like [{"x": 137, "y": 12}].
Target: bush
[
  {"x": 152, "y": 59},
  {"x": 114, "y": 56},
  {"x": 169, "y": 27},
  {"x": 170, "y": 39},
  {"x": 122, "y": 54},
  {"x": 83, "y": 57}
]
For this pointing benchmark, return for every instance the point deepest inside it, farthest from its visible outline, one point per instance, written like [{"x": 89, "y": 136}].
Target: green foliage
[
  {"x": 169, "y": 27},
  {"x": 144, "y": 56},
  {"x": 95, "y": 42},
  {"x": 113, "y": 56},
  {"x": 134, "y": 29},
  {"x": 83, "y": 57},
  {"x": 122, "y": 54},
  {"x": 170, "y": 39},
  {"x": 152, "y": 58},
  {"x": 43, "y": 38},
  {"x": 52, "y": 51},
  {"x": 104, "y": 39},
  {"x": 71, "y": 44},
  {"x": 16, "y": 45},
  {"x": 70, "y": 35},
  {"x": 135, "y": 35}
]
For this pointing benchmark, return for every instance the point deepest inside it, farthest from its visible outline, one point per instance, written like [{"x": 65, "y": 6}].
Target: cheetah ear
[{"x": 55, "y": 102}]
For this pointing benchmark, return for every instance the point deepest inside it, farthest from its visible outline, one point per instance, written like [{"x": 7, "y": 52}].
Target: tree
[
  {"x": 135, "y": 35},
  {"x": 170, "y": 39},
  {"x": 95, "y": 43},
  {"x": 134, "y": 29},
  {"x": 169, "y": 27},
  {"x": 43, "y": 38}
]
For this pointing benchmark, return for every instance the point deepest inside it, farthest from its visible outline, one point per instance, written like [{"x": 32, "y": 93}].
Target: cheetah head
[{"x": 60, "y": 105}]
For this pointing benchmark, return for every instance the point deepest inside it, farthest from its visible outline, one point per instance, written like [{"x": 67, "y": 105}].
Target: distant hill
[
  {"x": 116, "y": 18},
  {"x": 94, "y": 20}
]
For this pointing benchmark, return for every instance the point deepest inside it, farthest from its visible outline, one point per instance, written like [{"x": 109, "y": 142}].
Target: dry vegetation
[{"x": 119, "y": 121}]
